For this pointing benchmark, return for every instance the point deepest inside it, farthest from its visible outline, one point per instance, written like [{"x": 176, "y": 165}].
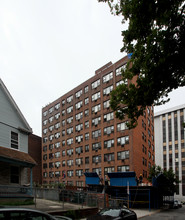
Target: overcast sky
[{"x": 48, "y": 47}]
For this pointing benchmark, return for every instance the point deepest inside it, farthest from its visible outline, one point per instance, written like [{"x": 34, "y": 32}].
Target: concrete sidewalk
[{"x": 52, "y": 206}]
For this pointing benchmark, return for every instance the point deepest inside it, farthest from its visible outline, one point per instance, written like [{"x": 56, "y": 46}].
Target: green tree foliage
[
  {"x": 169, "y": 182},
  {"x": 156, "y": 38}
]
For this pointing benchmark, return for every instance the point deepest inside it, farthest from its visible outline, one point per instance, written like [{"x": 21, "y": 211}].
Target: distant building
[
  {"x": 80, "y": 133},
  {"x": 169, "y": 143},
  {"x": 15, "y": 160}
]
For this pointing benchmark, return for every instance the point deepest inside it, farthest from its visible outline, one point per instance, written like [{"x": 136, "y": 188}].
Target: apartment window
[
  {"x": 109, "y": 143},
  {"x": 106, "y": 104},
  {"x": 69, "y": 120},
  {"x": 57, "y": 145},
  {"x": 69, "y": 141},
  {"x": 70, "y": 109},
  {"x": 45, "y": 122},
  {"x": 107, "y": 77},
  {"x": 79, "y": 116},
  {"x": 95, "y": 96},
  {"x": 51, "y": 137},
  {"x": 51, "y": 174},
  {"x": 123, "y": 168},
  {"x": 70, "y": 152},
  {"x": 51, "y": 119},
  {"x": 51, "y": 110},
  {"x": 51, "y": 128},
  {"x": 45, "y": 139},
  {"x": 69, "y": 163},
  {"x": 96, "y": 146},
  {"x": 95, "y": 84},
  {"x": 45, "y": 165},
  {"x": 63, "y": 102},
  {"x": 87, "y": 136},
  {"x": 57, "y": 135},
  {"x": 96, "y": 134},
  {"x": 86, "y": 112},
  {"x": 57, "y": 125},
  {"x": 45, "y": 174},
  {"x": 57, "y": 154},
  {"x": 86, "y": 89},
  {"x": 78, "y": 105},
  {"x": 45, "y": 131},
  {"x": 79, "y": 150},
  {"x": 63, "y": 112},
  {"x": 109, "y": 170},
  {"x": 14, "y": 174},
  {"x": 109, "y": 130},
  {"x": 63, "y": 163},
  {"x": 149, "y": 154},
  {"x": 108, "y": 117},
  {"x": 63, "y": 153},
  {"x": 70, "y": 173},
  {"x": 45, "y": 156},
  {"x": 51, "y": 156},
  {"x": 96, "y": 121},
  {"x": 79, "y": 138},
  {"x": 63, "y": 123},
  {"x": 79, "y": 172},
  {"x": 96, "y": 159},
  {"x": 57, "y": 116},
  {"x": 86, "y": 148},
  {"x": 122, "y": 126},
  {"x": 87, "y": 124},
  {"x": 86, "y": 101},
  {"x": 97, "y": 170},
  {"x": 57, "y": 106},
  {"x": 63, "y": 143},
  {"x": 121, "y": 82},
  {"x": 96, "y": 108},
  {"x": 51, "y": 165},
  {"x": 70, "y": 99},
  {"x": 79, "y": 161},
  {"x": 57, "y": 173},
  {"x": 109, "y": 157},
  {"x": 149, "y": 143},
  {"x": 45, "y": 148},
  {"x": 51, "y": 146},
  {"x": 122, "y": 155},
  {"x": 78, "y": 94},
  {"x": 107, "y": 90},
  {"x": 120, "y": 69},
  {"x": 86, "y": 160},
  {"x": 79, "y": 127},
  {"x": 123, "y": 140},
  {"x": 70, "y": 130},
  {"x": 45, "y": 113}
]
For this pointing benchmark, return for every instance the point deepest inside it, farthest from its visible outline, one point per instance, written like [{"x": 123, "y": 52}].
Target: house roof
[
  {"x": 16, "y": 157},
  {"x": 29, "y": 129}
]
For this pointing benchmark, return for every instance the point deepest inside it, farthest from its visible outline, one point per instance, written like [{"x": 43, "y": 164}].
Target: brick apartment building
[{"x": 80, "y": 133}]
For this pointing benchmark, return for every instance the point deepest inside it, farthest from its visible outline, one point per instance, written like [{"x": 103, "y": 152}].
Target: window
[
  {"x": 122, "y": 126},
  {"x": 79, "y": 138},
  {"x": 69, "y": 141},
  {"x": 120, "y": 69},
  {"x": 122, "y": 155},
  {"x": 96, "y": 159},
  {"x": 51, "y": 174},
  {"x": 107, "y": 77},
  {"x": 57, "y": 106},
  {"x": 108, "y": 157},
  {"x": 79, "y": 127},
  {"x": 86, "y": 101},
  {"x": 63, "y": 112},
  {"x": 87, "y": 124},
  {"x": 63, "y": 153},
  {"x": 109, "y": 170},
  {"x": 95, "y": 96},
  {"x": 51, "y": 119},
  {"x": 86, "y": 89},
  {"x": 57, "y": 125},
  {"x": 69, "y": 120},
  {"x": 86, "y": 112},
  {"x": 45, "y": 131},
  {"x": 109, "y": 143},
  {"x": 96, "y": 121},
  {"x": 45, "y": 113},
  {"x": 45, "y": 122},
  {"x": 70, "y": 173},
  {"x": 51, "y": 137},
  {"x": 97, "y": 170},
  {"x": 45, "y": 139},
  {"x": 86, "y": 160},
  {"x": 95, "y": 84},
  {"x": 78, "y": 94},
  {"x": 63, "y": 143},
  {"x": 108, "y": 117},
  {"x": 63, "y": 163},
  {"x": 96, "y": 146},
  {"x": 14, "y": 140},
  {"x": 122, "y": 168},
  {"x": 51, "y": 110},
  {"x": 57, "y": 116},
  {"x": 51, "y": 128},
  {"x": 63, "y": 123},
  {"x": 109, "y": 130},
  {"x": 70, "y": 152},
  {"x": 70, "y": 109},
  {"x": 87, "y": 136},
  {"x": 45, "y": 156},
  {"x": 123, "y": 140},
  {"x": 107, "y": 90},
  {"x": 79, "y": 172},
  {"x": 79, "y": 161},
  {"x": 79, "y": 116},
  {"x": 57, "y": 135},
  {"x": 106, "y": 104},
  {"x": 14, "y": 174},
  {"x": 57, "y": 145},
  {"x": 51, "y": 146},
  {"x": 69, "y": 163},
  {"x": 78, "y": 105},
  {"x": 63, "y": 102},
  {"x": 45, "y": 148},
  {"x": 96, "y": 108},
  {"x": 86, "y": 148},
  {"x": 70, "y": 130},
  {"x": 70, "y": 99},
  {"x": 96, "y": 134},
  {"x": 79, "y": 150},
  {"x": 57, "y": 154}
]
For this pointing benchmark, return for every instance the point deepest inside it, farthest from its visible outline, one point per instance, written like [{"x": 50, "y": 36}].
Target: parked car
[
  {"x": 175, "y": 204},
  {"x": 114, "y": 213},
  {"x": 24, "y": 214}
]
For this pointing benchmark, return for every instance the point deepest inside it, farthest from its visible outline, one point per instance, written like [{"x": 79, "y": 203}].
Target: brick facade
[{"x": 106, "y": 144}]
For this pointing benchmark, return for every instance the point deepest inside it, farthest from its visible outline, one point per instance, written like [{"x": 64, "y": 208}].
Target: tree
[
  {"x": 156, "y": 38},
  {"x": 168, "y": 183}
]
